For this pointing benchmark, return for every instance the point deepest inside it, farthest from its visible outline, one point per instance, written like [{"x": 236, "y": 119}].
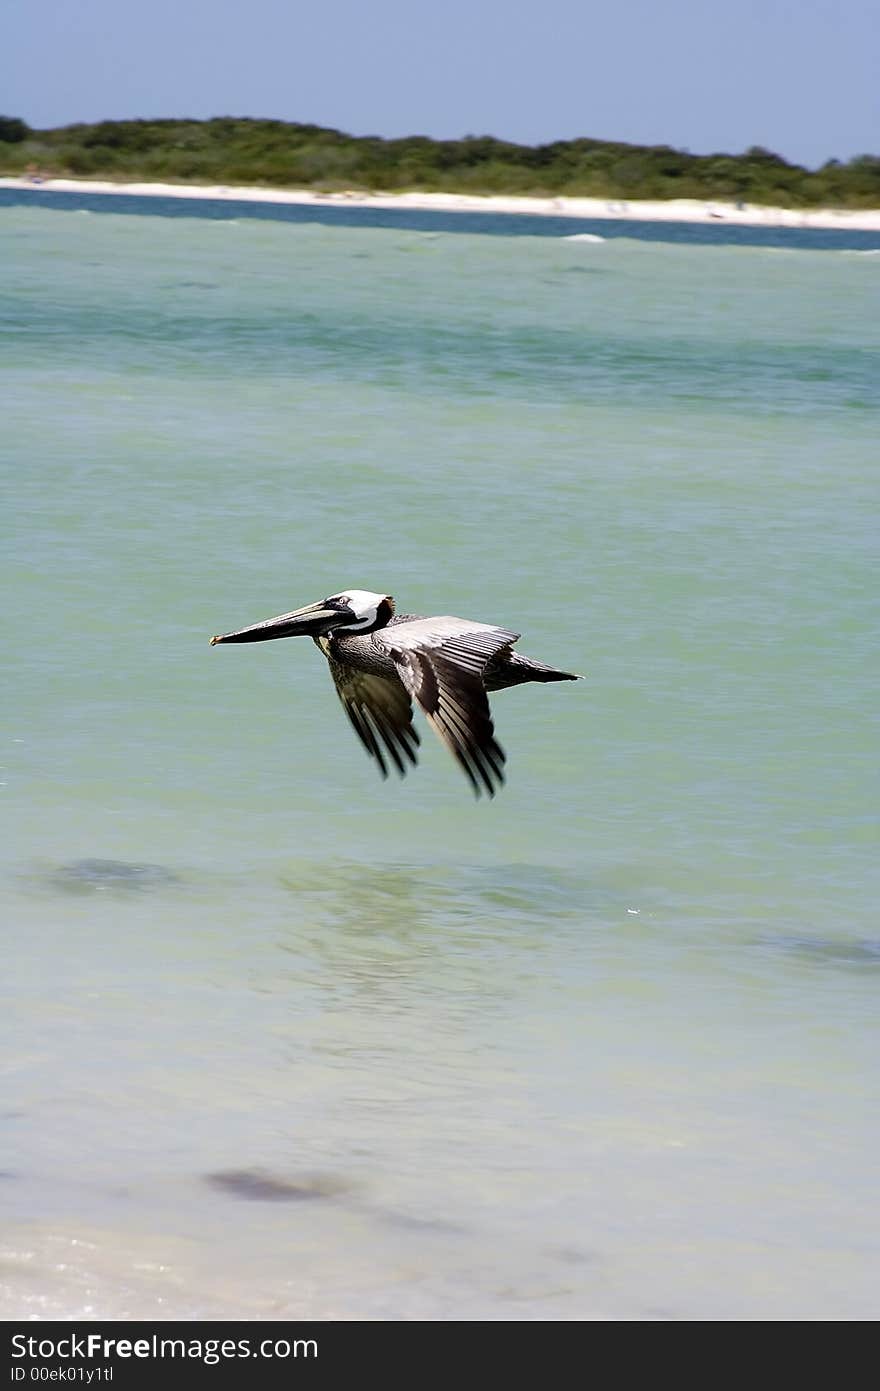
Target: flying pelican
[{"x": 380, "y": 660}]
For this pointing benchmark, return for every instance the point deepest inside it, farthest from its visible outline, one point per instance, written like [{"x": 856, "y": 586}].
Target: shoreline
[{"x": 593, "y": 209}]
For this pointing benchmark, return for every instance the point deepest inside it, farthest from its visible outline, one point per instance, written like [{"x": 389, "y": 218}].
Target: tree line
[{"x": 281, "y": 154}]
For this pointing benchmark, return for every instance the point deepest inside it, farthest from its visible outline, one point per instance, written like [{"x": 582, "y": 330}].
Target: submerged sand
[{"x": 674, "y": 210}]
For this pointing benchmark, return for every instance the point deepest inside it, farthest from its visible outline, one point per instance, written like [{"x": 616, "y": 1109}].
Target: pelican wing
[
  {"x": 380, "y": 712},
  {"x": 441, "y": 662}
]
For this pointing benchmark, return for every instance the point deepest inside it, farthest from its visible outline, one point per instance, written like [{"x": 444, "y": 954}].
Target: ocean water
[
  {"x": 335, "y": 212},
  {"x": 278, "y": 1039}
]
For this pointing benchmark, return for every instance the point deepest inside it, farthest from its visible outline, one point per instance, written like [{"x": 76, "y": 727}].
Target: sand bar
[{"x": 673, "y": 210}]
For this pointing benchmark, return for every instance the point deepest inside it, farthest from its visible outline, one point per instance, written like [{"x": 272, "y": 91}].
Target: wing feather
[
  {"x": 380, "y": 712},
  {"x": 442, "y": 662}
]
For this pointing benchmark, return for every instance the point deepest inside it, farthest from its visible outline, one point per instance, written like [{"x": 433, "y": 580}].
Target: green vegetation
[{"x": 279, "y": 154}]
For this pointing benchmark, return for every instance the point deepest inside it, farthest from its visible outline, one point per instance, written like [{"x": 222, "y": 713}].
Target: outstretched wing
[
  {"x": 441, "y": 663},
  {"x": 380, "y": 712}
]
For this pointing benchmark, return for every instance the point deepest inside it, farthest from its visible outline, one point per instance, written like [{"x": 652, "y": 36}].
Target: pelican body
[{"x": 381, "y": 661}]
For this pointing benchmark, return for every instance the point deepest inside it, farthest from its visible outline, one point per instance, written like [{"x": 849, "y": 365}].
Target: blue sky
[{"x": 797, "y": 76}]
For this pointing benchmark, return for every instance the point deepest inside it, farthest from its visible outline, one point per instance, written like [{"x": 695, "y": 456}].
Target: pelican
[{"x": 380, "y": 661}]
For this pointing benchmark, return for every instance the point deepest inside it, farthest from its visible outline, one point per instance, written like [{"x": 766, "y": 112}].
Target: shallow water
[{"x": 280, "y": 1039}]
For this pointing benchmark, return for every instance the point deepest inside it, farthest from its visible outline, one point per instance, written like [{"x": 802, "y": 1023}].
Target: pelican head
[{"x": 354, "y": 610}]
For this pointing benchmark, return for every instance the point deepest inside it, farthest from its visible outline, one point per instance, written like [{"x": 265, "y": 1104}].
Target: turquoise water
[{"x": 279, "y": 1039}]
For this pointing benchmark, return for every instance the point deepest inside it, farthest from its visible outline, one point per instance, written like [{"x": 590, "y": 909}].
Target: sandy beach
[{"x": 675, "y": 210}]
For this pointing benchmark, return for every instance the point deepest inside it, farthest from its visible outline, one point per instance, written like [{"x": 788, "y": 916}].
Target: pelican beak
[{"x": 311, "y": 621}]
